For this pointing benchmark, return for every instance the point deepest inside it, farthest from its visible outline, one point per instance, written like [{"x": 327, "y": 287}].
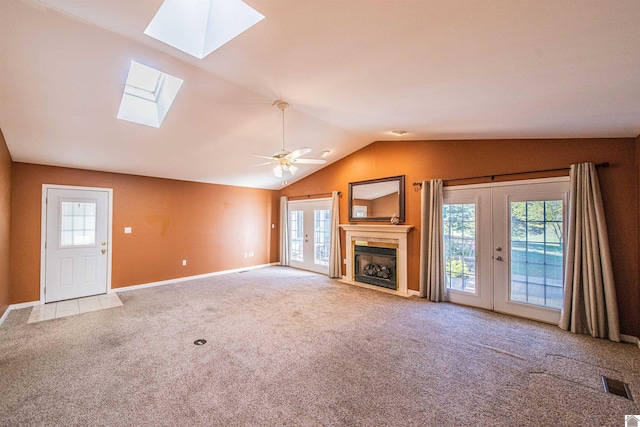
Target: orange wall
[
  {"x": 211, "y": 226},
  {"x": 420, "y": 160},
  {"x": 5, "y": 225}
]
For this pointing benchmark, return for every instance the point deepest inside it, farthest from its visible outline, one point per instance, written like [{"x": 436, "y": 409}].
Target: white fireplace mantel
[{"x": 396, "y": 234}]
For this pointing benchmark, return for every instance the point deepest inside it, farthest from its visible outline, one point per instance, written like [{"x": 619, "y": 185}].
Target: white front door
[
  {"x": 504, "y": 246},
  {"x": 76, "y": 243},
  {"x": 310, "y": 234}
]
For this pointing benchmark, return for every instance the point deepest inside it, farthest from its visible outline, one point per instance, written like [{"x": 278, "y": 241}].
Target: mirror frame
[{"x": 400, "y": 211}]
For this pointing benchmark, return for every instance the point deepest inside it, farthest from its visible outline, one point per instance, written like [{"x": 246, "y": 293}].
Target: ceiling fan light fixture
[{"x": 283, "y": 159}]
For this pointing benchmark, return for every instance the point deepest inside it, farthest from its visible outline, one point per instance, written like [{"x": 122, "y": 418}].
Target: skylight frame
[
  {"x": 138, "y": 104},
  {"x": 199, "y": 27}
]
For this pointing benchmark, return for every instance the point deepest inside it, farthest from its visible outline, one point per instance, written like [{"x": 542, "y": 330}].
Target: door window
[
  {"x": 296, "y": 225},
  {"x": 536, "y": 252},
  {"x": 459, "y": 230},
  {"x": 322, "y": 223}
]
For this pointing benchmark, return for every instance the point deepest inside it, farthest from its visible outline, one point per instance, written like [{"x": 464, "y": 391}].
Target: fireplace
[
  {"x": 393, "y": 237},
  {"x": 375, "y": 266}
]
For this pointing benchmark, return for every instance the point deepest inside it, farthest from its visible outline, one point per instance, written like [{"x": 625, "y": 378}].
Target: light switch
[{"x": 127, "y": 230}]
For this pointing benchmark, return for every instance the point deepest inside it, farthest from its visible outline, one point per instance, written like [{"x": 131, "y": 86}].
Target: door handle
[
  {"x": 498, "y": 258},
  {"x": 498, "y": 249},
  {"x": 104, "y": 251}
]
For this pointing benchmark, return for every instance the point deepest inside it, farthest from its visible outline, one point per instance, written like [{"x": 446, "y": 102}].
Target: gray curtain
[
  {"x": 284, "y": 231},
  {"x": 431, "y": 253},
  {"x": 335, "y": 252},
  {"x": 589, "y": 305}
]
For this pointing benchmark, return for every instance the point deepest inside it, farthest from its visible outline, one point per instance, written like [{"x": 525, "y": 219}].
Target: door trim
[{"x": 43, "y": 230}]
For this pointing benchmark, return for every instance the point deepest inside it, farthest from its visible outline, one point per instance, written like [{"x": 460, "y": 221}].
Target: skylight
[
  {"x": 148, "y": 95},
  {"x": 198, "y": 27}
]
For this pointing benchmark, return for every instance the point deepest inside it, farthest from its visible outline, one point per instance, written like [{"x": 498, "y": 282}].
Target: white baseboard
[
  {"x": 185, "y": 279},
  {"x": 412, "y": 292},
  {"x": 630, "y": 339}
]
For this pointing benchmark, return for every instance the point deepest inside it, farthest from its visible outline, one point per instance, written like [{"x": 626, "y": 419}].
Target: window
[
  {"x": 199, "y": 27},
  {"x": 148, "y": 95},
  {"x": 297, "y": 236},
  {"x": 536, "y": 252},
  {"x": 78, "y": 227},
  {"x": 459, "y": 231},
  {"x": 322, "y": 221}
]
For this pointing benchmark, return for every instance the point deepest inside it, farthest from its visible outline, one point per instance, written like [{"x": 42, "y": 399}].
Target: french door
[
  {"x": 504, "y": 247},
  {"x": 310, "y": 234}
]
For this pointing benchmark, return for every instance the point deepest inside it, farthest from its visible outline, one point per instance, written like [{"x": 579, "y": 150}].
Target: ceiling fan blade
[
  {"x": 261, "y": 164},
  {"x": 299, "y": 152},
  {"x": 311, "y": 161},
  {"x": 261, "y": 156}
]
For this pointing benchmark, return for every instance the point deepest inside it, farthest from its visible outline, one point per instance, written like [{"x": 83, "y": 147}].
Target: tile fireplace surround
[{"x": 395, "y": 235}]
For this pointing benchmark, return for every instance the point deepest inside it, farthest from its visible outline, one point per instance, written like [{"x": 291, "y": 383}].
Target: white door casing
[{"x": 76, "y": 236}]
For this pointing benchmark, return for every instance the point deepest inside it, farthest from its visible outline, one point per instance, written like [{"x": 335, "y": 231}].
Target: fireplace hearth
[{"x": 375, "y": 266}]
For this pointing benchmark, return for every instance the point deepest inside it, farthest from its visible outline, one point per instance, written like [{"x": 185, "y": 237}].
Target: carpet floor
[{"x": 291, "y": 348}]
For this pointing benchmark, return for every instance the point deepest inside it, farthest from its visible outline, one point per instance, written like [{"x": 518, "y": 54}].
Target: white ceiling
[{"x": 352, "y": 70}]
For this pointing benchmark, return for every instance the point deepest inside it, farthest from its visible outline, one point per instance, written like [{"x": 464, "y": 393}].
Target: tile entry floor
[{"x": 70, "y": 307}]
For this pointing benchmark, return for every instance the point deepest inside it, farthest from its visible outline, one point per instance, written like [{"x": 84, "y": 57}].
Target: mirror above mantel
[{"x": 376, "y": 199}]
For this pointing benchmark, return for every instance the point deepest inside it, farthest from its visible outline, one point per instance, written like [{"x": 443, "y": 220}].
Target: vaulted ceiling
[{"x": 352, "y": 71}]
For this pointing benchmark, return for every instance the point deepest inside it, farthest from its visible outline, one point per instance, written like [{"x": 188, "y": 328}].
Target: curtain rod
[
  {"x": 308, "y": 196},
  {"x": 599, "y": 165}
]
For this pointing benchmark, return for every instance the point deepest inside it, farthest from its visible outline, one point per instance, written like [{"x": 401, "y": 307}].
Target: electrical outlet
[{"x": 127, "y": 230}]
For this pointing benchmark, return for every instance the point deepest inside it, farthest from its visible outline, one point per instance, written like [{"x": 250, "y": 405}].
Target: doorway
[
  {"x": 504, "y": 246},
  {"x": 76, "y": 236},
  {"x": 310, "y": 234}
]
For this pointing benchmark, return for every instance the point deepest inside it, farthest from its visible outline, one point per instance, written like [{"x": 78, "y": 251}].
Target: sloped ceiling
[{"x": 352, "y": 70}]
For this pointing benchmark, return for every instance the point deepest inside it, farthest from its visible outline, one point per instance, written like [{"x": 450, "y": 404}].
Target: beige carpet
[{"x": 291, "y": 348}]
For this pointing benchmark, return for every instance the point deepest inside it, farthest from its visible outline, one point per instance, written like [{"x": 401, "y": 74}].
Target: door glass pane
[
  {"x": 322, "y": 235},
  {"x": 459, "y": 231},
  {"x": 537, "y": 252},
  {"x": 297, "y": 236},
  {"x": 78, "y": 224}
]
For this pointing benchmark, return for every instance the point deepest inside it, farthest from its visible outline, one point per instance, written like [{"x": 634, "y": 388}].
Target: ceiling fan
[{"x": 285, "y": 160}]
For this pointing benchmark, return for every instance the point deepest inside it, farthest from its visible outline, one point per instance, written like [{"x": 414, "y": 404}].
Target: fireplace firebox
[{"x": 375, "y": 266}]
